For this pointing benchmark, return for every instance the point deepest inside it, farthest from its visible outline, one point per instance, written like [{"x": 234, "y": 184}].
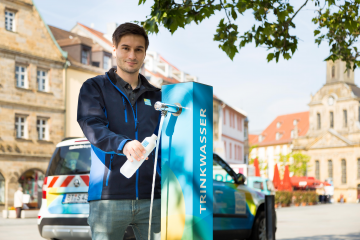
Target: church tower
[{"x": 335, "y": 72}]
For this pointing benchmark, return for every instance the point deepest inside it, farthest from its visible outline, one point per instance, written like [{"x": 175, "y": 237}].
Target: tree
[
  {"x": 337, "y": 22},
  {"x": 300, "y": 164}
]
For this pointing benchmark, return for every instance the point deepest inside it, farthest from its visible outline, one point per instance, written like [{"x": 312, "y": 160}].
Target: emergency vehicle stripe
[
  {"x": 53, "y": 181},
  {"x": 67, "y": 181},
  {"x": 85, "y": 178}
]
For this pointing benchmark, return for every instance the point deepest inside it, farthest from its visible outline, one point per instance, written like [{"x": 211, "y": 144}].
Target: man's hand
[{"x": 134, "y": 149}]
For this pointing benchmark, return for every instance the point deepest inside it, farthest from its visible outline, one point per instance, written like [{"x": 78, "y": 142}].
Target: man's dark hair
[{"x": 129, "y": 28}]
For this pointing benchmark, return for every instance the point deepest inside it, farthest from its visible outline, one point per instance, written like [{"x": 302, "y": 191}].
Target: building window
[
  {"x": 224, "y": 115},
  {"x": 10, "y": 20},
  {"x": 42, "y": 129},
  {"x": 240, "y": 152},
  {"x": 358, "y": 168},
  {"x": 42, "y": 80},
  {"x": 230, "y": 150},
  {"x": 21, "y": 76},
  {"x": 345, "y": 118},
  {"x": 239, "y": 123},
  {"x": 331, "y": 119},
  {"x": 236, "y": 151},
  {"x": 2, "y": 189},
  {"x": 343, "y": 171},
  {"x": 318, "y": 121},
  {"x": 330, "y": 169},
  {"x": 20, "y": 127},
  {"x": 106, "y": 63},
  {"x": 85, "y": 57},
  {"x": 333, "y": 71},
  {"x": 317, "y": 169}
]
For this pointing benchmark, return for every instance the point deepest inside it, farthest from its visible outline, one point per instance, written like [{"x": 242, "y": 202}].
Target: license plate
[{"x": 75, "y": 198}]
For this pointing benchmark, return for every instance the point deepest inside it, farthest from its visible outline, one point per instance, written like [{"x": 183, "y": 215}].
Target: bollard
[{"x": 270, "y": 216}]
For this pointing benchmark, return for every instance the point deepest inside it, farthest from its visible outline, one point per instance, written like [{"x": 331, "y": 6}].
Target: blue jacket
[{"x": 108, "y": 121}]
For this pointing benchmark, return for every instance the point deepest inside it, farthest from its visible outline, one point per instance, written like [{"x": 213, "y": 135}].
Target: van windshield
[{"x": 69, "y": 160}]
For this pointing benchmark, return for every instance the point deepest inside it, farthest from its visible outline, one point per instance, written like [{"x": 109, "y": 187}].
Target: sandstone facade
[
  {"x": 333, "y": 139},
  {"x": 29, "y": 45}
]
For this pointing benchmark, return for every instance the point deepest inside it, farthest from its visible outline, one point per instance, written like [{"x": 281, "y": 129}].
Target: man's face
[{"x": 130, "y": 53}]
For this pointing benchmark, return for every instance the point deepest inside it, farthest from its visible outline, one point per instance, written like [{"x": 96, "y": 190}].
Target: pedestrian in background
[{"x": 18, "y": 201}]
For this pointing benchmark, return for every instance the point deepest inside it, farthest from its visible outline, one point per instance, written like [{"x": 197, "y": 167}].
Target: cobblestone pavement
[
  {"x": 19, "y": 229},
  {"x": 320, "y": 222}
]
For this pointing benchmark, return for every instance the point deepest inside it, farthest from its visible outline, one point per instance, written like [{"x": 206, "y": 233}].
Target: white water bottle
[{"x": 129, "y": 168}]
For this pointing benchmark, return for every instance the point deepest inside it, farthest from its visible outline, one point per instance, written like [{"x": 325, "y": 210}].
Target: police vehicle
[{"x": 238, "y": 210}]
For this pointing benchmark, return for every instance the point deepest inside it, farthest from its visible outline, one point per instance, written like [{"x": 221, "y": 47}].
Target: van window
[
  {"x": 69, "y": 160},
  {"x": 270, "y": 185},
  {"x": 258, "y": 185},
  {"x": 220, "y": 174}
]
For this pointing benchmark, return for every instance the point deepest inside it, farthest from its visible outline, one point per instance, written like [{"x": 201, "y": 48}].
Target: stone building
[
  {"x": 278, "y": 138},
  {"x": 31, "y": 99},
  {"x": 333, "y": 139},
  {"x": 230, "y": 133},
  {"x": 86, "y": 59}
]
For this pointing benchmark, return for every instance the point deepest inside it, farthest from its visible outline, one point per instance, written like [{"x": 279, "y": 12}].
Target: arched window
[
  {"x": 331, "y": 119},
  {"x": 2, "y": 189},
  {"x": 318, "y": 121},
  {"x": 333, "y": 71},
  {"x": 343, "y": 171},
  {"x": 330, "y": 169},
  {"x": 317, "y": 169},
  {"x": 31, "y": 181}
]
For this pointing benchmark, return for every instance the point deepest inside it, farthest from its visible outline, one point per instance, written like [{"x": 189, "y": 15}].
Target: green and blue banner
[{"x": 187, "y": 163}]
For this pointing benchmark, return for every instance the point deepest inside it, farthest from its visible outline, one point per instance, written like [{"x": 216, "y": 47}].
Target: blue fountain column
[{"x": 187, "y": 164}]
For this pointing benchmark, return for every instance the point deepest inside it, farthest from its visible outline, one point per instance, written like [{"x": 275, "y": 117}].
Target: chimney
[{"x": 110, "y": 28}]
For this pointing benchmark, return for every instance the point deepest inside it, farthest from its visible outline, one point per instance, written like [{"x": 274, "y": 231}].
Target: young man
[{"x": 116, "y": 112}]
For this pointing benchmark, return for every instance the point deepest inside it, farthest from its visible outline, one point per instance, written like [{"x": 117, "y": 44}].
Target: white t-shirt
[{"x": 18, "y": 199}]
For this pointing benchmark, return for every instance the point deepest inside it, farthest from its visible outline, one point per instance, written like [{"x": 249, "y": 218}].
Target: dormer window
[
  {"x": 85, "y": 56},
  {"x": 278, "y": 124},
  {"x": 278, "y": 136}
]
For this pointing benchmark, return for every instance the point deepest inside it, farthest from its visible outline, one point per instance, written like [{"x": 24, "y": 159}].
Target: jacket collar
[{"x": 144, "y": 82}]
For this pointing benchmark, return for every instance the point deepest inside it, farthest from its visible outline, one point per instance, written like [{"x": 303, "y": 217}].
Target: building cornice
[
  {"x": 19, "y": 2},
  {"x": 234, "y": 139},
  {"x": 44, "y": 156},
  {"x": 3, "y": 49},
  {"x": 33, "y": 106}
]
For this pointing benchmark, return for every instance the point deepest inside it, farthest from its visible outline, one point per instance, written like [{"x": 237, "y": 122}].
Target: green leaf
[
  {"x": 286, "y": 56},
  {"x": 316, "y": 32},
  {"x": 270, "y": 57},
  {"x": 233, "y": 14}
]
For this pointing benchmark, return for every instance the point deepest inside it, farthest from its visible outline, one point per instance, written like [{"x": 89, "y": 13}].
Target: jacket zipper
[
  {"x": 108, "y": 175},
  {"x": 136, "y": 133},
  {"x": 125, "y": 109}
]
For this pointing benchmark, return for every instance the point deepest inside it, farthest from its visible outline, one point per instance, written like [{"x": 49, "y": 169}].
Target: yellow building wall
[{"x": 74, "y": 80}]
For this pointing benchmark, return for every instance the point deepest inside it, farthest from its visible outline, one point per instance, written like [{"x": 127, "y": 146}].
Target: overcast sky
[{"x": 263, "y": 90}]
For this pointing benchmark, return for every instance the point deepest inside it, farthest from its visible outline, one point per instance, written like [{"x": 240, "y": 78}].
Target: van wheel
[{"x": 259, "y": 228}]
